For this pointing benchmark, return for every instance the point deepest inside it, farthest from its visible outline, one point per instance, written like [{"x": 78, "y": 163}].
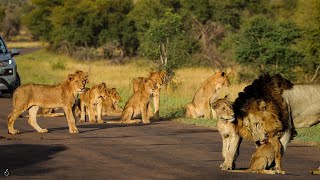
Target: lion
[
  {"x": 109, "y": 105},
  {"x": 261, "y": 106},
  {"x": 264, "y": 157},
  {"x": 92, "y": 99},
  {"x": 304, "y": 104},
  {"x": 33, "y": 96},
  {"x": 199, "y": 107},
  {"x": 159, "y": 77},
  {"x": 227, "y": 129},
  {"x": 139, "y": 103}
]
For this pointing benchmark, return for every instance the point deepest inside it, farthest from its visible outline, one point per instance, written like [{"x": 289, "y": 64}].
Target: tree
[
  {"x": 166, "y": 42},
  {"x": 267, "y": 46}
]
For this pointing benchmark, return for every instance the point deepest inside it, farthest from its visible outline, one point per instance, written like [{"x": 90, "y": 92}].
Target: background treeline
[{"x": 251, "y": 36}]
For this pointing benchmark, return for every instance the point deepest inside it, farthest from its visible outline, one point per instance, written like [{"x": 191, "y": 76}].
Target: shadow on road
[{"x": 16, "y": 156}]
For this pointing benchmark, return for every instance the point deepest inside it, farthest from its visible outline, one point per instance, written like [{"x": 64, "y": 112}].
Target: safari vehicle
[{"x": 9, "y": 77}]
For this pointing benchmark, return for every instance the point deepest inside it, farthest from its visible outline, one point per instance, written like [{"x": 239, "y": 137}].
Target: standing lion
[
  {"x": 200, "y": 105},
  {"x": 33, "y": 96}
]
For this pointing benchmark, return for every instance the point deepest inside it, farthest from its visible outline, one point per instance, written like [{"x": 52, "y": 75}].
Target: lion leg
[
  {"x": 71, "y": 121},
  {"x": 12, "y": 118},
  {"x": 92, "y": 117},
  {"x": 190, "y": 111},
  {"x": 127, "y": 116},
  {"x": 232, "y": 152},
  {"x": 156, "y": 104},
  {"x": 33, "y": 119},
  {"x": 144, "y": 112},
  {"x": 285, "y": 139},
  {"x": 83, "y": 112},
  {"x": 99, "y": 113},
  {"x": 224, "y": 150},
  {"x": 207, "y": 112}
]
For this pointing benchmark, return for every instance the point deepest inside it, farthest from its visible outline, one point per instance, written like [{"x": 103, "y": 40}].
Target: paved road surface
[{"x": 162, "y": 150}]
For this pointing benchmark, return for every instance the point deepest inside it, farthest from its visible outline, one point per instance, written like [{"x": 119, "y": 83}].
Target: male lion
[
  {"x": 226, "y": 127},
  {"x": 200, "y": 105},
  {"x": 159, "y": 78},
  {"x": 262, "y": 160},
  {"x": 33, "y": 96},
  {"x": 139, "y": 103},
  {"x": 92, "y": 99},
  {"x": 258, "y": 122}
]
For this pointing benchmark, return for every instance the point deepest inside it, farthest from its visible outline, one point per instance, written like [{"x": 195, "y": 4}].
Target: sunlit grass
[{"x": 26, "y": 44}]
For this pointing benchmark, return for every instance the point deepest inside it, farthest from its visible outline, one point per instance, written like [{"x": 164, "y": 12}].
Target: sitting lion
[
  {"x": 200, "y": 105},
  {"x": 159, "y": 78},
  {"x": 139, "y": 103},
  {"x": 92, "y": 99},
  {"x": 262, "y": 160},
  {"x": 33, "y": 96},
  {"x": 227, "y": 129}
]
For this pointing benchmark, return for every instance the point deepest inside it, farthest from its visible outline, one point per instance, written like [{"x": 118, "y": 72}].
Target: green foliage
[
  {"x": 58, "y": 66},
  {"x": 267, "y": 46}
]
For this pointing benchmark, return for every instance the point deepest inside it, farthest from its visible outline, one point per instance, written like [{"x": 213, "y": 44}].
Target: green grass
[
  {"x": 211, "y": 123},
  {"x": 311, "y": 134}
]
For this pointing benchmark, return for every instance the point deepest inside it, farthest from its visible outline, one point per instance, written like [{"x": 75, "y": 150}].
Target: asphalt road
[{"x": 161, "y": 150}]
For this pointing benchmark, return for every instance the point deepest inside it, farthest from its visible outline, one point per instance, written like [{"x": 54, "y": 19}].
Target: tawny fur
[
  {"x": 262, "y": 160},
  {"x": 159, "y": 78},
  {"x": 200, "y": 105},
  {"x": 92, "y": 99},
  {"x": 33, "y": 96},
  {"x": 139, "y": 104}
]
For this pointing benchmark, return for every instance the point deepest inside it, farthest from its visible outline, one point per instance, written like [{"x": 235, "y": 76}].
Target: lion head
[
  {"x": 150, "y": 85},
  {"x": 158, "y": 77},
  {"x": 263, "y": 120},
  {"x": 102, "y": 90},
  {"x": 114, "y": 95},
  {"x": 78, "y": 80},
  {"x": 223, "y": 109},
  {"x": 221, "y": 80}
]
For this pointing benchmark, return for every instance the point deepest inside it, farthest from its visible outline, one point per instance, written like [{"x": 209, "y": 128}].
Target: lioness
[
  {"x": 226, "y": 127},
  {"x": 262, "y": 160},
  {"x": 139, "y": 103},
  {"x": 33, "y": 96},
  {"x": 200, "y": 105},
  {"x": 159, "y": 78},
  {"x": 91, "y": 99}
]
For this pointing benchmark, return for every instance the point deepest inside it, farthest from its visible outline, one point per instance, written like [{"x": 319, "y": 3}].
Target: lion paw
[
  {"x": 225, "y": 166},
  {"x": 81, "y": 121},
  {"x": 13, "y": 132},
  {"x": 280, "y": 172},
  {"x": 100, "y": 121},
  {"x": 43, "y": 131},
  {"x": 74, "y": 130}
]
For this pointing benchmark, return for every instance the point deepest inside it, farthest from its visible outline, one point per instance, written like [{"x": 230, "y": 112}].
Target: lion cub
[
  {"x": 225, "y": 116},
  {"x": 93, "y": 98},
  {"x": 199, "y": 107},
  {"x": 264, "y": 157},
  {"x": 139, "y": 103}
]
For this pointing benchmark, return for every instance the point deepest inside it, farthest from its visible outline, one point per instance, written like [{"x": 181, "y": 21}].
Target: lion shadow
[{"x": 14, "y": 157}]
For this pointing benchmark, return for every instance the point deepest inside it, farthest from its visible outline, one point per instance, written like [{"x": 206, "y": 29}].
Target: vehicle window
[{"x": 2, "y": 47}]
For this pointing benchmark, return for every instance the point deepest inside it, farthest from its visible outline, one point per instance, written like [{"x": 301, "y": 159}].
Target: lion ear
[
  {"x": 262, "y": 106},
  {"x": 102, "y": 86},
  {"x": 70, "y": 77}
]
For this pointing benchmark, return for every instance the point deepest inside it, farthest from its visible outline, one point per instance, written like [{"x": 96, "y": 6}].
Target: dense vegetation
[{"x": 280, "y": 36}]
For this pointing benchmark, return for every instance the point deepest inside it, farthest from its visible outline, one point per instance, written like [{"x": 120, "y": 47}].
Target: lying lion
[
  {"x": 159, "y": 78},
  {"x": 139, "y": 104},
  {"x": 227, "y": 129},
  {"x": 200, "y": 105},
  {"x": 92, "y": 99},
  {"x": 33, "y": 96}
]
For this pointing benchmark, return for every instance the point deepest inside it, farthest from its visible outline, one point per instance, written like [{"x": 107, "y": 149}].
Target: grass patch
[
  {"x": 26, "y": 44},
  {"x": 311, "y": 134},
  {"x": 211, "y": 123}
]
